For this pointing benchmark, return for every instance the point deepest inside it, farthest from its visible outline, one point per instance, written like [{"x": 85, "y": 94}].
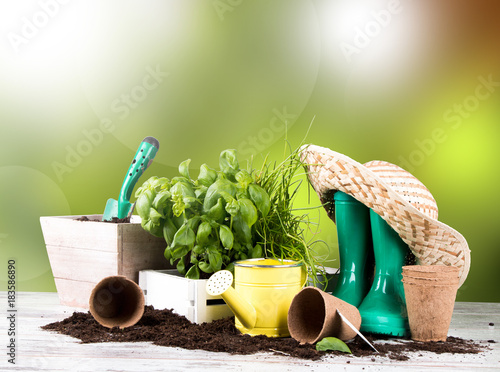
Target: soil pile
[
  {"x": 165, "y": 328},
  {"x": 113, "y": 219}
]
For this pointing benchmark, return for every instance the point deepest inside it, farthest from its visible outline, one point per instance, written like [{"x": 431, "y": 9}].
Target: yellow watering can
[{"x": 263, "y": 291}]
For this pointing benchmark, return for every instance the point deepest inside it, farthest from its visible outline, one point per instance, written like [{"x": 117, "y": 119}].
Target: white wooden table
[{"x": 39, "y": 350}]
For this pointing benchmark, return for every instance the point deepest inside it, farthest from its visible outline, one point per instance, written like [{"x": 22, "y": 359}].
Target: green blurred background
[{"x": 83, "y": 82}]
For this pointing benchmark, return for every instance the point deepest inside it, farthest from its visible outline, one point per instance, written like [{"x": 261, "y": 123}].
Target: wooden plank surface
[{"x": 39, "y": 350}]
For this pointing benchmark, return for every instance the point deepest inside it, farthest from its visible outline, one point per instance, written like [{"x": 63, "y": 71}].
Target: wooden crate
[
  {"x": 167, "y": 289},
  {"x": 81, "y": 253}
]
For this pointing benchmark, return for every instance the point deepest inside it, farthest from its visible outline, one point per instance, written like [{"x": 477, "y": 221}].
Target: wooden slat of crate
[
  {"x": 82, "y": 264},
  {"x": 66, "y": 231},
  {"x": 81, "y": 253},
  {"x": 140, "y": 252},
  {"x": 74, "y": 293}
]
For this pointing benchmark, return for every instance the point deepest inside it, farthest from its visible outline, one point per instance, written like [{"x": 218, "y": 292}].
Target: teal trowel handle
[{"x": 142, "y": 160}]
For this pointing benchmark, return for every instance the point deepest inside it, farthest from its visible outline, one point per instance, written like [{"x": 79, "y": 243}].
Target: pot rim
[{"x": 290, "y": 263}]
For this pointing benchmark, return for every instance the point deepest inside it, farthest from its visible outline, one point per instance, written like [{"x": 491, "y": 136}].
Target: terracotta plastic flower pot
[
  {"x": 117, "y": 302},
  {"x": 430, "y": 297},
  {"x": 313, "y": 316}
]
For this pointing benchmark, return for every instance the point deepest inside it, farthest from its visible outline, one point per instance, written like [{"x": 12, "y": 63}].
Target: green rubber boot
[
  {"x": 355, "y": 249},
  {"x": 383, "y": 311}
]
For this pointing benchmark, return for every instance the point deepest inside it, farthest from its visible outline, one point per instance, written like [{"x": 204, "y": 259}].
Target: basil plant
[{"x": 207, "y": 222}]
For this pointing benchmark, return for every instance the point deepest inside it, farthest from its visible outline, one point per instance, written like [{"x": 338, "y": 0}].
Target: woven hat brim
[{"x": 432, "y": 242}]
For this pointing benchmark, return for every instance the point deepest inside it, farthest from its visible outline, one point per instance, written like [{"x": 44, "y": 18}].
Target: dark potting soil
[
  {"x": 165, "y": 328},
  {"x": 113, "y": 220}
]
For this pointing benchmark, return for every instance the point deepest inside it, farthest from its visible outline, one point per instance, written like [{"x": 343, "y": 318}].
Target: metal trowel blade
[
  {"x": 111, "y": 210},
  {"x": 346, "y": 321}
]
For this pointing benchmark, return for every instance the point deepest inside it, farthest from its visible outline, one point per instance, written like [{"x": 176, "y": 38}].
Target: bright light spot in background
[
  {"x": 36, "y": 49},
  {"x": 342, "y": 17},
  {"x": 42, "y": 36},
  {"x": 40, "y": 52},
  {"x": 37, "y": 36},
  {"x": 378, "y": 45}
]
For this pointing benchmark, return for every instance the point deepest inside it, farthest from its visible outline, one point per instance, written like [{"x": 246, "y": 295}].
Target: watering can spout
[{"x": 220, "y": 283}]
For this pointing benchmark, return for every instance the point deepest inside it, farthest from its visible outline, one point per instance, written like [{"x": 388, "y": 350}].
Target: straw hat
[{"x": 394, "y": 194}]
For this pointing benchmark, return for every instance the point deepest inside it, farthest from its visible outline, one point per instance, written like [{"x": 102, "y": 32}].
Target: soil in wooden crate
[
  {"x": 165, "y": 328},
  {"x": 113, "y": 219}
]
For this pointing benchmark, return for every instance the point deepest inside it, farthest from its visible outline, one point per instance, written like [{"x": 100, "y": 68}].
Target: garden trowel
[{"x": 122, "y": 207}]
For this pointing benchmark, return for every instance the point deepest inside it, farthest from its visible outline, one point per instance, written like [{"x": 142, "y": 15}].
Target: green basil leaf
[
  {"x": 242, "y": 256},
  {"x": 205, "y": 267},
  {"x": 184, "y": 188},
  {"x": 244, "y": 179},
  {"x": 190, "y": 202},
  {"x": 256, "y": 252},
  {"x": 178, "y": 207},
  {"x": 158, "y": 183},
  {"x": 203, "y": 233},
  {"x": 229, "y": 164},
  {"x": 144, "y": 202},
  {"x": 152, "y": 228},
  {"x": 162, "y": 200},
  {"x": 248, "y": 211},
  {"x": 155, "y": 216},
  {"x": 193, "y": 272},
  {"x": 168, "y": 253},
  {"x": 226, "y": 236},
  {"x": 181, "y": 267},
  {"x": 241, "y": 193},
  {"x": 179, "y": 252},
  {"x": 162, "y": 183},
  {"x": 332, "y": 343},
  {"x": 260, "y": 198},
  {"x": 232, "y": 207},
  {"x": 199, "y": 249},
  {"x": 147, "y": 185},
  {"x": 207, "y": 175},
  {"x": 184, "y": 236},
  {"x": 179, "y": 221},
  {"x": 230, "y": 267},
  {"x": 237, "y": 246},
  {"x": 214, "y": 192},
  {"x": 242, "y": 231},
  {"x": 184, "y": 168},
  {"x": 217, "y": 212},
  {"x": 169, "y": 231},
  {"x": 215, "y": 258},
  {"x": 200, "y": 192}
]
